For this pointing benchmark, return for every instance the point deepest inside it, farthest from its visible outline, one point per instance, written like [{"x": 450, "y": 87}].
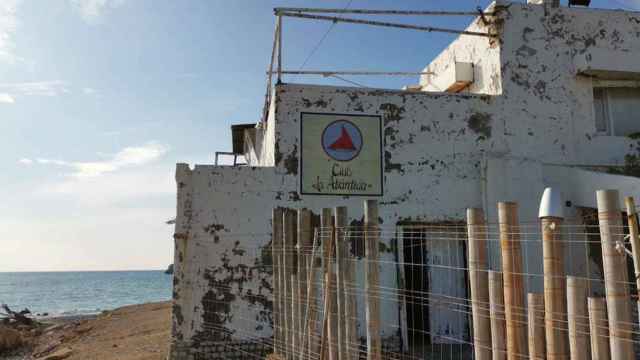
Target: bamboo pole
[
  {"x": 555, "y": 318},
  {"x": 305, "y": 243},
  {"x": 340, "y": 218},
  {"x": 477, "y": 234},
  {"x": 329, "y": 314},
  {"x": 536, "y": 319},
  {"x": 496, "y": 313},
  {"x": 289, "y": 230},
  {"x": 311, "y": 314},
  {"x": 402, "y": 297},
  {"x": 615, "y": 275},
  {"x": 599, "y": 329},
  {"x": 334, "y": 350},
  {"x": 352, "y": 310},
  {"x": 634, "y": 237},
  {"x": 513, "y": 284},
  {"x": 372, "y": 310},
  {"x": 325, "y": 224},
  {"x": 276, "y": 256},
  {"x": 295, "y": 324},
  {"x": 578, "y": 318}
]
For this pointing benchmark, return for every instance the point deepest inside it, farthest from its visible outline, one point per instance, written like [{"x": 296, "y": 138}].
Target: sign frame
[{"x": 301, "y": 160}]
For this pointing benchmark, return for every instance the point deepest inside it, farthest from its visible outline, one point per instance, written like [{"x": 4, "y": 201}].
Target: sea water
[{"x": 81, "y": 293}]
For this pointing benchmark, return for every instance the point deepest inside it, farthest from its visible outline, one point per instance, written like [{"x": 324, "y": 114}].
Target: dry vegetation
[{"x": 138, "y": 332}]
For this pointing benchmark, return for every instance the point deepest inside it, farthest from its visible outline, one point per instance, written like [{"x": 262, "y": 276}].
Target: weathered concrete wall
[
  {"x": 433, "y": 146},
  {"x": 543, "y": 95},
  {"x": 442, "y": 154},
  {"x": 482, "y": 52}
]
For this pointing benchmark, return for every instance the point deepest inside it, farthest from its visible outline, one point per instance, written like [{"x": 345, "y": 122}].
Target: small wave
[{"x": 68, "y": 313}]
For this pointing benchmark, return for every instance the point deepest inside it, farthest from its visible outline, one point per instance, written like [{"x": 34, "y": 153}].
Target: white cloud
[
  {"x": 38, "y": 88},
  {"x": 115, "y": 187},
  {"x": 8, "y": 26},
  {"x": 88, "y": 91},
  {"x": 25, "y": 161},
  {"x": 128, "y": 157},
  {"x": 6, "y": 98},
  {"x": 635, "y": 4},
  {"x": 92, "y": 11}
]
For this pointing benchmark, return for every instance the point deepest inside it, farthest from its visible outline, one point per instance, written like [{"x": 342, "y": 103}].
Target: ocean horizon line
[{"x": 76, "y": 271}]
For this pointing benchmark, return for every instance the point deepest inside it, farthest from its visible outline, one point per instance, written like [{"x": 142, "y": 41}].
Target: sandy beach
[{"x": 137, "y": 332}]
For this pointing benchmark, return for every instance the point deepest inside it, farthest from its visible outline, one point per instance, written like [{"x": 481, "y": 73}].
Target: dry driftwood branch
[{"x": 19, "y": 317}]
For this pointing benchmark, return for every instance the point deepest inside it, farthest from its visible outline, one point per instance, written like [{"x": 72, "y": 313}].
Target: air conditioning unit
[{"x": 459, "y": 76}]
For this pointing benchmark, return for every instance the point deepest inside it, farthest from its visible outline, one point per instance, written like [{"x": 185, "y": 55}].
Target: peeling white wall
[{"x": 482, "y": 52}]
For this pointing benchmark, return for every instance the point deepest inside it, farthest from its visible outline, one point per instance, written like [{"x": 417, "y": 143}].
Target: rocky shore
[{"x": 137, "y": 332}]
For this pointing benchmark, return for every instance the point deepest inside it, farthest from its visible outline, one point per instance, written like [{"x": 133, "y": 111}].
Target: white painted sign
[{"x": 341, "y": 154}]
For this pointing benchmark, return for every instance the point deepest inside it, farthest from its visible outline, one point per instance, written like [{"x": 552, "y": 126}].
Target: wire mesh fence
[{"x": 446, "y": 290}]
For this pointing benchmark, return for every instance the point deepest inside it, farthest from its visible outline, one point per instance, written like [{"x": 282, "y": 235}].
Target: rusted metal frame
[
  {"x": 384, "y": 24},
  {"x": 279, "y": 34},
  {"x": 481, "y": 14},
  {"x": 267, "y": 97},
  {"x": 280, "y": 10},
  {"x": 372, "y": 73}
]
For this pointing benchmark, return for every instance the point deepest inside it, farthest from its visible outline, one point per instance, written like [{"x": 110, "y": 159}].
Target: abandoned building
[{"x": 548, "y": 96}]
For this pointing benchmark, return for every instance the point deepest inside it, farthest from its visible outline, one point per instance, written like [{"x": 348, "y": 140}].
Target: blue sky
[{"x": 100, "y": 98}]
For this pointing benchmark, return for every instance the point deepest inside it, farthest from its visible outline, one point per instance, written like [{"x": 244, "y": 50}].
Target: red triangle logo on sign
[{"x": 343, "y": 143}]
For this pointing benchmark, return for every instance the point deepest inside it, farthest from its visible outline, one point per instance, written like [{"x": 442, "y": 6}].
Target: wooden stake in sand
[
  {"x": 578, "y": 318},
  {"x": 402, "y": 297},
  {"x": 352, "y": 310},
  {"x": 305, "y": 242},
  {"x": 340, "y": 218},
  {"x": 295, "y": 328},
  {"x": 329, "y": 346},
  {"x": 634, "y": 236},
  {"x": 276, "y": 256},
  {"x": 477, "y": 234},
  {"x": 372, "y": 283},
  {"x": 536, "y": 326},
  {"x": 288, "y": 263},
  {"x": 614, "y": 264},
  {"x": 496, "y": 312},
  {"x": 555, "y": 318},
  {"x": 599, "y": 329},
  {"x": 512, "y": 277},
  {"x": 310, "y": 334}
]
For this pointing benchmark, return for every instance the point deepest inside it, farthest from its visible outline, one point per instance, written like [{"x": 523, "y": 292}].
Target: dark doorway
[
  {"x": 434, "y": 278},
  {"x": 416, "y": 286}
]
